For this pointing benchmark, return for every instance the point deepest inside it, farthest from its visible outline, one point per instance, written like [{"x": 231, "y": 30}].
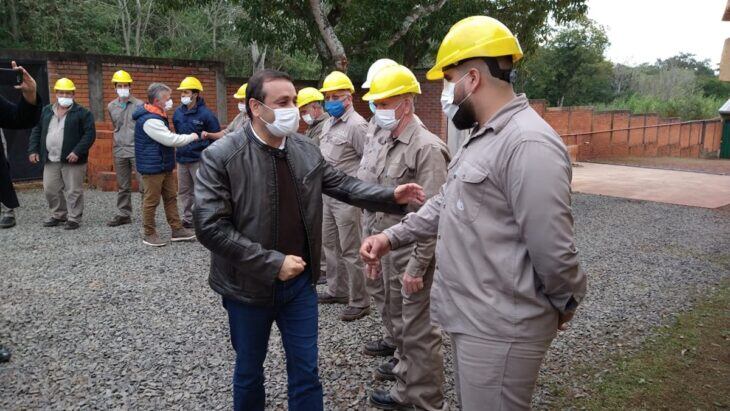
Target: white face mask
[
  {"x": 241, "y": 107},
  {"x": 308, "y": 119},
  {"x": 286, "y": 121},
  {"x": 186, "y": 100},
  {"x": 447, "y": 98},
  {"x": 386, "y": 118},
  {"x": 168, "y": 105},
  {"x": 65, "y": 101},
  {"x": 123, "y": 92}
]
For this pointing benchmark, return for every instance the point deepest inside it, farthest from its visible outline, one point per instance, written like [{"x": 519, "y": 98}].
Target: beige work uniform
[
  {"x": 506, "y": 262},
  {"x": 124, "y": 161},
  {"x": 376, "y": 138},
  {"x": 415, "y": 156},
  {"x": 315, "y": 130},
  {"x": 342, "y": 144}
]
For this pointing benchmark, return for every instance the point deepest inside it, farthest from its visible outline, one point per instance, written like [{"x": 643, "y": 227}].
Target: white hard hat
[{"x": 375, "y": 68}]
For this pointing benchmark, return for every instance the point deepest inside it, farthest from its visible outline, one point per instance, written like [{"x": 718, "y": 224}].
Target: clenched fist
[{"x": 292, "y": 267}]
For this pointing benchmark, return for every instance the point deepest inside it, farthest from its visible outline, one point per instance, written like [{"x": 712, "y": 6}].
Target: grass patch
[{"x": 685, "y": 366}]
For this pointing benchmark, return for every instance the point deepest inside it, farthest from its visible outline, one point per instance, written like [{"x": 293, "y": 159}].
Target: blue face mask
[
  {"x": 372, "y": 107},
  {"x": 335, "y": 108}
]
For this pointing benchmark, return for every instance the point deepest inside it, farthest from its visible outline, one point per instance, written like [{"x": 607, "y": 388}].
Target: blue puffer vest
[{"x": 152, "y": 157}]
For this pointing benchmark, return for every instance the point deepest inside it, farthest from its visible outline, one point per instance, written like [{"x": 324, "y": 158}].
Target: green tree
[{"x": 570, "y": 69}]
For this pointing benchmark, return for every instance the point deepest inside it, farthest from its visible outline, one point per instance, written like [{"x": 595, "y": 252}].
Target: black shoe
[
  {"x": 384, "y": 372},
  {"x": 351, "y": 313},
  {"x": 71, "y": 225},
  {"x": 53, "y": 222},
  {"x": 381, "y": 399},
  {"x": 7, "y": 221},
  {"x": 378, "y": 348},
  {"x": 4, "y": 354},
  {"x": 119, "y": 220},
  {"x": 324, "y": 298},
  {"x": 188, "y": 225}
]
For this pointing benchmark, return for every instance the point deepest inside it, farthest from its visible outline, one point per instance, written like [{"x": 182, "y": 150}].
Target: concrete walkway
[{"x": 664, "y": 186}]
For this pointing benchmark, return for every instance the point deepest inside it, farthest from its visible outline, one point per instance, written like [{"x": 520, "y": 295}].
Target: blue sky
[{"x": 644, "y": 30}]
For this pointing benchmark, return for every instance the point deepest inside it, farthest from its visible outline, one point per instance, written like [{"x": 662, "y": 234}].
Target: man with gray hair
[{"x": 154, "y": 149}]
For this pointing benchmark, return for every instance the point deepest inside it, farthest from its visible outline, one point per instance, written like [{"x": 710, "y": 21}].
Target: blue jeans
[{"x": 295, "y": 313}]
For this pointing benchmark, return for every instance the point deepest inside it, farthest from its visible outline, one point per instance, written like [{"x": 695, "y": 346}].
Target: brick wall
[{"x": 74, "y": 70}]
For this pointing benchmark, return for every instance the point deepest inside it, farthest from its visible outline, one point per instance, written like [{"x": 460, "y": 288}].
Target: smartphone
[{"x": 10, "y": 77}]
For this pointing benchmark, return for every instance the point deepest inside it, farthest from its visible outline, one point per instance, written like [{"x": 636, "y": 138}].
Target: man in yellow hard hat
[
  {"x": 376, "y": 137},
  {"x": 239, "y": 122},
  {"x": 411, "y": 154},
  {"x": 507, "y": 273},
  {"x": 61, "y": 141},
  {"x": 342, "y": 144},
  {"x": 193, "y": 116},
  {"x": 120, "y": 113},
  {"x": 311, "y": 107}
]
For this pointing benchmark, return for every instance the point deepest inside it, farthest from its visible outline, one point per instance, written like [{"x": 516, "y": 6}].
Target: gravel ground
[{"x": 96, "y": 320}]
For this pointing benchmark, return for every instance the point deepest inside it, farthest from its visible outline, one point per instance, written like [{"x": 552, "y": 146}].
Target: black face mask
[{"x": 465, "y": 118}]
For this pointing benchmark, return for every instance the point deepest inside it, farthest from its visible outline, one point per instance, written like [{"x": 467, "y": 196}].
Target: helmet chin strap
[{"x": 508, "y": 75}]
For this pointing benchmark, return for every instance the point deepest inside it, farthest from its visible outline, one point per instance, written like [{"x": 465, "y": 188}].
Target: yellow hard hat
[
  {"x": 375, "y": 68},
  {"x": 190, "y": 83},
  {"x": 392, "y": 81},
  {"x": 241, "y": 93},
  {"x": 476, "y": 36},
  {"x": 121, "y": 76},
  {"x": 308, "y": 95},
  {"x": 64, "y": 84},
  {"x": 337, "y": 80}
]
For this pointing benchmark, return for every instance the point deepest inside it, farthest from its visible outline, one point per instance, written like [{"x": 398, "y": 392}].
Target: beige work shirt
[
  {"x": 315, "y": 130},
  {"x": 415, "y": 156},
  {"x": 121, "y": 116},
  {"x": 54, "y": 138},
  {"x": 506, "y": 261},
  {"x": 343, "y": 140}
]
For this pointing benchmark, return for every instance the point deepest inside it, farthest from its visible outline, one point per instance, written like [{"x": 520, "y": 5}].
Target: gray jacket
[
  {"x": 121, "y": 117},
  {"x": 506, "y": 261},
  {"x": 235, "y": 209}
]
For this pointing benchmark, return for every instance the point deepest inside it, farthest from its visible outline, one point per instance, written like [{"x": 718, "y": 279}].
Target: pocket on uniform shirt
[
  {"x": 396, "y": 172},
  {"x": 470, "y": 191}
]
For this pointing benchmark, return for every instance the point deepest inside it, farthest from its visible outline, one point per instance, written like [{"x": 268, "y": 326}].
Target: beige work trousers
[
  {"x": 496, "y": 375},
  {"x": 341, "y": 235}
]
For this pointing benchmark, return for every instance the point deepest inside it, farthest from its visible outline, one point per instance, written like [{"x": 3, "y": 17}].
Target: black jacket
[
  {"x": 79, "y": 133},
  {"x": 235, "y": 209},
  {"x": 14, "y": 116}
]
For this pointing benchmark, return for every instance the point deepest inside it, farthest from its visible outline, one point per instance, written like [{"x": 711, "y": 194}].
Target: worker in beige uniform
[
  {"x": 342, "y": 143},
  {"x": 411, "y": 154},
  {"x": 382, "y": 346},
  {"x": 238, "y": 122},
  {"x": 507, "y": 273},
  {"x": 310, "y": 102},
  {"x": 120, "y": 113}
]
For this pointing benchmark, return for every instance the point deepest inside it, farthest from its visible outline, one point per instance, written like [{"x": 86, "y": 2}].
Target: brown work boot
[
  {"x": 384, "y": 372},
  {"x": 324, "y": 298},
  {"x": 119, "y": 220},
  {"x": 183, "y": 234},
  {"x": 378, "y": 348},
  {"x": 353, "y": 313},
  {"x": 154, "y": 240}
]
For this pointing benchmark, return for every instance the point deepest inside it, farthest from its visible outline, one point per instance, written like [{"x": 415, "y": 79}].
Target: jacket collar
[
  {"x": 198, "y": 103},
  {"x": 257, "y": 141},
  {"x": 155, "y": 110}
]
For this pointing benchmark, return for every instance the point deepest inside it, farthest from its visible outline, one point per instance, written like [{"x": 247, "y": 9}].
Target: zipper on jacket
[{"x": 276, "y": 220}]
